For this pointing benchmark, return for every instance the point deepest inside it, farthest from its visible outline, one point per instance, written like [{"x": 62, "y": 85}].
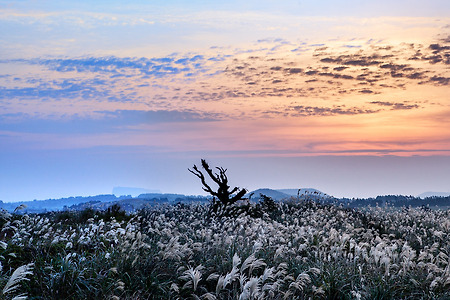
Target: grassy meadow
[{"x": 294, "y": 250}]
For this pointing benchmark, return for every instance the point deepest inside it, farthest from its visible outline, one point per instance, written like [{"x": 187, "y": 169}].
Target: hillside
[
  {"x": 130, "y": 204},
  {"x": 282, "y": 194},
  {"x": 99, "y": 202},
  {"x": 37, "y": 206}
]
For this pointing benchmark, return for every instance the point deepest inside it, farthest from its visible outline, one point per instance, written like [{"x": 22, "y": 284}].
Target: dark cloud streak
[
  {"x": 396, "y": 105},
  {"x": 301, "y": 110}
]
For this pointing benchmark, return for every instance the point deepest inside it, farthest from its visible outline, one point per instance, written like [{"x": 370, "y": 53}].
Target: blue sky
[{"x": 350, "y": 97}]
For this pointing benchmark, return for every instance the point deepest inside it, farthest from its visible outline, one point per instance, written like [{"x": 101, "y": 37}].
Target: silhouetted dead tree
[{"x": 225, "y": 195}]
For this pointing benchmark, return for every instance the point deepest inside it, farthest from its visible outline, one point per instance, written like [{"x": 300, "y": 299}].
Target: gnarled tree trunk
[{"x": 225, "y": 195}]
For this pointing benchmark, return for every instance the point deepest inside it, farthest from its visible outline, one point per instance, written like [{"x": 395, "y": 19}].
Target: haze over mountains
[
  {"x": 100, "y": 202},
  {"x": 433, "y": 194},
  {"x": 131, "y": 199},
  {"x": 133, "y": 191}
]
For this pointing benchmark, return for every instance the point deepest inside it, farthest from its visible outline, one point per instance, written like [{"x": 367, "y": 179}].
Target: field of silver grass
[{"x": 296, "y": 251}]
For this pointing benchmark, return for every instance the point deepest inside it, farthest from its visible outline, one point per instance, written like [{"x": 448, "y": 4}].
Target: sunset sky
[{"x": 349, "y": 97}]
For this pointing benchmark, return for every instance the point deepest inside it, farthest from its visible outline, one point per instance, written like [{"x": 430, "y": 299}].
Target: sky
[{"x": 349, "y": 97}]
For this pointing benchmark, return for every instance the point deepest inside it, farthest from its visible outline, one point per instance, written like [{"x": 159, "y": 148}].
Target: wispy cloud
[
  {"x": 147, "y": 98},
  {"x": 79, "y": 18},
  {"x": 127, "y": 66},
  {"x": 220, "y": 74},
  {"x": 98, "y": 122},
  {"x": 58, "y": 89}
]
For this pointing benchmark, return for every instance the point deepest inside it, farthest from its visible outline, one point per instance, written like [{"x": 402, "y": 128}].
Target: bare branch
[
  {"x": 200, "y": 175},
  {"x": 238, "y": 196},
  {"x": 208, "y": 170}
]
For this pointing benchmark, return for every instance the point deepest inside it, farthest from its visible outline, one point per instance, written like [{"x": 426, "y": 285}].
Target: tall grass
[{"x": 304, "y": 250}]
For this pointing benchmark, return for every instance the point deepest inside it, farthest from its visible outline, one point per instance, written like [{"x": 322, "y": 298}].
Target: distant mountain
[
  {"x": 38, "y": 206},
  {"x": 167, "y": 197},
  {"x": 131, "y": 191},
  {"x": 433, "y": 194},
  {"x": 280, "y": 194},
  {"x": 143, "y": 201},
  {"x": 130, "y": 204},
  {"x": 274, "y": 194},
  {"x": 100, "y": 202}
]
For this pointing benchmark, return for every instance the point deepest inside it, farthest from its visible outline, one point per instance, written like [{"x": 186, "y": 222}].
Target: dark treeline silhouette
[{"x": 394, "y": 200}]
